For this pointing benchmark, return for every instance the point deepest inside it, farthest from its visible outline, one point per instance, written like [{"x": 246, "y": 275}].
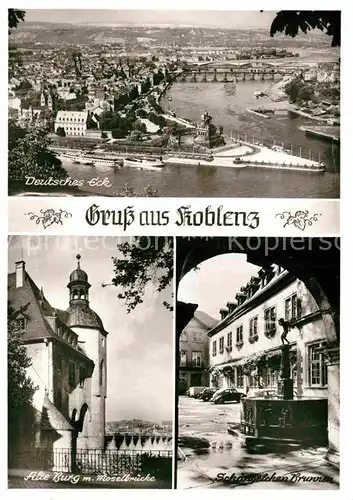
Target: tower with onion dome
[{"x": 93, "y": 341}]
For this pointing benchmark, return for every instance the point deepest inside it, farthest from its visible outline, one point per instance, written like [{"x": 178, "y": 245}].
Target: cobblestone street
[{"x": 209, "y": 451}]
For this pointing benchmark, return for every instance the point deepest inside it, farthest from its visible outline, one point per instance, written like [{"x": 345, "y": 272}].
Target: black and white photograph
[
  {"x": 174, "y": 103},
  {"x": 90, "y": 362},
  {"x": 257, "y": 321}
]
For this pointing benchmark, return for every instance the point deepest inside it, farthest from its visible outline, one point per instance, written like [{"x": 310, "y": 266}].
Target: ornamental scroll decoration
[
  {"x": 49, "y": 216},
  {"x": 301, "y": 219}
]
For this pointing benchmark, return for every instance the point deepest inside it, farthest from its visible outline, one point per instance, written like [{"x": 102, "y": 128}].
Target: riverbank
[
  {"x": 263, "y": 114},
  {"x": 252, "y": 156},
  {"x": 329, "y": 133},
  {"x": 322, "y": 119}
]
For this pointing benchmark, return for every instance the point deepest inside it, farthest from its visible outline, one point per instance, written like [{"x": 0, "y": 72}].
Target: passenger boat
[
  {"x": 92, "y": 159},
  {"x": 258, "y": 94},
  {"x": 106, "y": 162},
  {"x": 144, "y": 163}
]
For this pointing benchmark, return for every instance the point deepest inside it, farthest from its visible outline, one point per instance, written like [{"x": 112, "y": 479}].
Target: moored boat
[{"x": 144, "y": 163}]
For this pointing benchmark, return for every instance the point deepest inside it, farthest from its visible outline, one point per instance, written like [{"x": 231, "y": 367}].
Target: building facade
[
  {"x": 245, "y": 346},
  {"x": 68, "y": 349},
  {"x": 73, "y": 122},
  {"x": 193, "y": 353}
]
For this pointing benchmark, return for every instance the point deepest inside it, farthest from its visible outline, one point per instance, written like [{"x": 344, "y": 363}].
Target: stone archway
[{"x": 314, "y": 261}]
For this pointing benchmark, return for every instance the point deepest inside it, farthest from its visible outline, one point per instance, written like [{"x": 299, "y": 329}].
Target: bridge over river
[{"x": 226, "y": 71}]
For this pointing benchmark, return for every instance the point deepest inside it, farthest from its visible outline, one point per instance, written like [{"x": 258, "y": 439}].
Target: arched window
[
  {"x": 75, "y": 295},
  {"x": 101, "y": 373},
  {"x": 82, "y": 294}
]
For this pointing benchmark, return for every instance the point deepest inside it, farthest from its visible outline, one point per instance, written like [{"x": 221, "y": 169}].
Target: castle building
[
  {"x": 245, "y": 346},
  {"x": 68, "y": 349}
]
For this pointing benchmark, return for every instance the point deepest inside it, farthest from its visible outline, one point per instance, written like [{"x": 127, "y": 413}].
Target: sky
[
  {"x": 226, "y": 19},
  {"x": 139, "y": 345},
  {"x": 216, "y": 282}
]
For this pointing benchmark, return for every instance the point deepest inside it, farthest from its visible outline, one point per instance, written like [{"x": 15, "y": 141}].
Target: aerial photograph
[{"x": 174, "y": 103}]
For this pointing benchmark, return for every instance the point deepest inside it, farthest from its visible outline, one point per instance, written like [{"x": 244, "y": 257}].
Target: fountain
[{"x": 284, "y": 420}]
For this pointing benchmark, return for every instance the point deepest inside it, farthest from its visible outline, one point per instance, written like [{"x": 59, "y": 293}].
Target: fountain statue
[
  {"x": 284, "y": 419},
  {"x": 285, "y": 325}
]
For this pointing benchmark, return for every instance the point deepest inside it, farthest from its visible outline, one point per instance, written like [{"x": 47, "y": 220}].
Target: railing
[
  {"x": 293, "y": 166},
  {"x": 96, "y": 461},
  {"x": 230, "y": 71}
]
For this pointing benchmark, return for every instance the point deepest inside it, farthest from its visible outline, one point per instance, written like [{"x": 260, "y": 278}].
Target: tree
[
  {"x": 176, "y": 130},
  {"x": 145, "y": 260},
  {"x": 91, "y": 123},
  {"x": 291, "y": 21},
  {"x": 128, "y": 190},
  {"x": 292, "y": 89},
  {"x": 118, "y": 133},
  {"x": 141, "y": 113},
  {"x": 15, "y": 16},
  {"x": 135, "y": 135},
  {"x": 157, "y": 119},
  {"x": 134, "y": 93},
  {"x": 60, "y": 131},
  {"x": 20, "y": 387},
  {"x": 24, "y": 85},
  {"x": 138, "y": 125},
  {"x": 306, "y": 93},
  {"x": 28, "y": 154}
]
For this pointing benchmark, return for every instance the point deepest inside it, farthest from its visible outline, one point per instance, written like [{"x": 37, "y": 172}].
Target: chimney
[{"x": 20, "y": 273}]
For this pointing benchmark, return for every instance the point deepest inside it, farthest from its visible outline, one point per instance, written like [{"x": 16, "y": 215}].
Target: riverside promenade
[{"x": 241, "y": 154}]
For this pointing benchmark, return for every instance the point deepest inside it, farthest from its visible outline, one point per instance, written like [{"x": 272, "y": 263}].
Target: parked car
[
  {"x": 193, "y": 391},
  {"x": 262, "y": 393},
  {"x": 227, "y": 396},
  {"x": 207, "y": 394}
]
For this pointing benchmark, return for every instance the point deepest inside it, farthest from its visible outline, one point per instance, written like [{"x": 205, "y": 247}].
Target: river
[{"x": 228, "y": 105}]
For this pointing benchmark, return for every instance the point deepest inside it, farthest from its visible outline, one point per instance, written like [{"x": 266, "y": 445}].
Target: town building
[
  {"x": 46, "y": 99},
  {"x": 68, "y": 349},
  {"x": 245, "y": 346},
  {"x": 73, "y": 122},
  {"x": 194, "y": 354}
]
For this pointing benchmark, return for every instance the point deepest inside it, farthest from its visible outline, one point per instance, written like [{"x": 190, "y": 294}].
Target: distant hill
[
  {"x": 68, "y": 34},
  {"x": 134, "y": 424}
]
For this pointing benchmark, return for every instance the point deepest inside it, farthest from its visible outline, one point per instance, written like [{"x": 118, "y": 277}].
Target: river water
[{"x": 228, "y": 106}]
